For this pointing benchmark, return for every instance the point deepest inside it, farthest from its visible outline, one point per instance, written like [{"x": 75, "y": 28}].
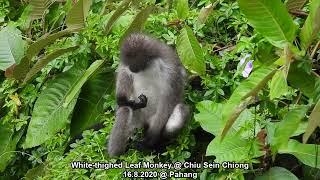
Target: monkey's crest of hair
[{"x": 140, "y": 44}]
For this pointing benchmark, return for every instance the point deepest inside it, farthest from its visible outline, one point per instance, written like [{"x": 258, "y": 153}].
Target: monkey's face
[{"x": 136, "y": 63}]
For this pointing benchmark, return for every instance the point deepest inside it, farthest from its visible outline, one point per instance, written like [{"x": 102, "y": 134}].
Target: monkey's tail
[{"x": 121, "y": 132}]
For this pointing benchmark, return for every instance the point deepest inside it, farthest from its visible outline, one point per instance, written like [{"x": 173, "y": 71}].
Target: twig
[
  {"x": 223, "y": 48},
  {"x": 315, "y": 50},
  {"x": 299, "y": 13}
]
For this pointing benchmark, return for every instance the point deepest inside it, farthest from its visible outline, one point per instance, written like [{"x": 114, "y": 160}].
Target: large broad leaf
[
  {"x": 75, "y": 89},
  {"x": 313, "y": 123},
  {"x": 238, "y": 100},
  {"x": 38, "y": 8},
  {"x": 210, "y": 117},
  {"x": 23, "y": 67},
  {"x": 293, "y": 5},
  {"x": 287, "y": 126},
  {"x": 11, "y": 47},
  {"x": 312, "y": 25},
  {"x": 41, "y": 63},
  {"x": 138, "y": 22},
  {"x": 49, "y": 116},
  {"x": 116, "y": 14},
  {"x": 307, "y": 153},
  {"x": 77, "y": 16},
  {"x": 190, "y": 52},
  {"x": 277, "y": 173},
  {"x": 278, "y": 85},
  {"x": 91, "y": 101},
  {"x": 232, "y": 148},
  {"x": 271, "y": 19},
  {"x": 182, "y": 8},
  {"x": 8, "y": 142}
]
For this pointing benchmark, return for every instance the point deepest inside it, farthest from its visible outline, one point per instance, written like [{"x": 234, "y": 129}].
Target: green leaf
[
  {"x": 277, "y": 173},
  {"x": 312, "y": 25},
  {"x": 41, "y": 63},
  {"x": 271, "y": 19},
  {"x": 91, "y": 101},
  {"x": 204, "y": 13},
  {"x": 190, "y": 52},
  {"x": 75, "y": 89},
  {"x": 210, "y": 117},
  {"x": 138, "y": 22},
  {"x": 182, "y": 9},
  {"x": 307, "y": 153},
  {"x": 49, "y": 116},
  {"x": 249, "y": 88},
  {"x": 11, "y": 47},
  {"x": 76, "y": 18},
  {"x": 302, "y": 80},
  {"x": 287, "y": 126},
  {"x": 316, "y": 91},
  {"x": 23, "y": 67},
  {"x": 116, "y": 14},
  {"x": 313, "y": 122},
  {"x": 294, "y": 5},
  {"x": 233, "y": 148},
  {"x": 278, "y": 85},
  {"x": 8, "y": 142},
  {"x": 39, "y": 7}
]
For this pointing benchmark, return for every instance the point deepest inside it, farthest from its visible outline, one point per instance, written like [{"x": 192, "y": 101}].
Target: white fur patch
[{"x": 175, "y": 121}]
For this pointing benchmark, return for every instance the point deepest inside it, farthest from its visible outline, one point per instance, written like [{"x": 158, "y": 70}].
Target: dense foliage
[{"x": 254, "y": 84}]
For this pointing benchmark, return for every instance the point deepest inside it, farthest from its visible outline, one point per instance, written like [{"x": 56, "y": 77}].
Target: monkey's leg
[
  {"x": 121, "y": 131},
  {"x": 176, "y": 121}
]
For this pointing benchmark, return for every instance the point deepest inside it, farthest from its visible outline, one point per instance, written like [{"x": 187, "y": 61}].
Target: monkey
[{"x": 150, "y": 85}]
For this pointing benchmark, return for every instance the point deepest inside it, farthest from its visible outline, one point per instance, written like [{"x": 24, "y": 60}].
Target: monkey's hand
[{"x": 142, "y": 102}]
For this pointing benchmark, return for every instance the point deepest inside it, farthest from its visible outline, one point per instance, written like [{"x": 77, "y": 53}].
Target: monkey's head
[{"x": 138, "y": 51}]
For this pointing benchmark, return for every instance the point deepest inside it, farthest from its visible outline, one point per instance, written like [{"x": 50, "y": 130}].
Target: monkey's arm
[{"x": 124, "y": 88}]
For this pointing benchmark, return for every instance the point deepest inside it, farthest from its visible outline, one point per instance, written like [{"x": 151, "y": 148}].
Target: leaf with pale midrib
[
  {"x": 271, "y": 19},
  {"x": 190, "y": 52},
  {"x": 49, "y": 116}
]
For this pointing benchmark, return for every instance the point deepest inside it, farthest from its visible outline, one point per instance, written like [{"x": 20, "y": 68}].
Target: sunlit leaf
[
  {"x": 233, "y": 148},
  {"x": 312, "y": 25},
  {"x": 210, "y": 117},
  {"x": 277, "y": 173},
  {"x": 91, "y": 101},
  {"x": 271, "y": 19},
  {"x": 307, "y": 153},
  {"x": 41, "y": 63},
  {"x": 278, "y": 85},
  {"x": 76, "y": 18},
  {"x": 182, "y": 8},
  {"x": 12, "y": 47},
  {"x": 190, "y": 52},
  {"x": 49, "y": 116},
  {"x": 313, "y": 122}
]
